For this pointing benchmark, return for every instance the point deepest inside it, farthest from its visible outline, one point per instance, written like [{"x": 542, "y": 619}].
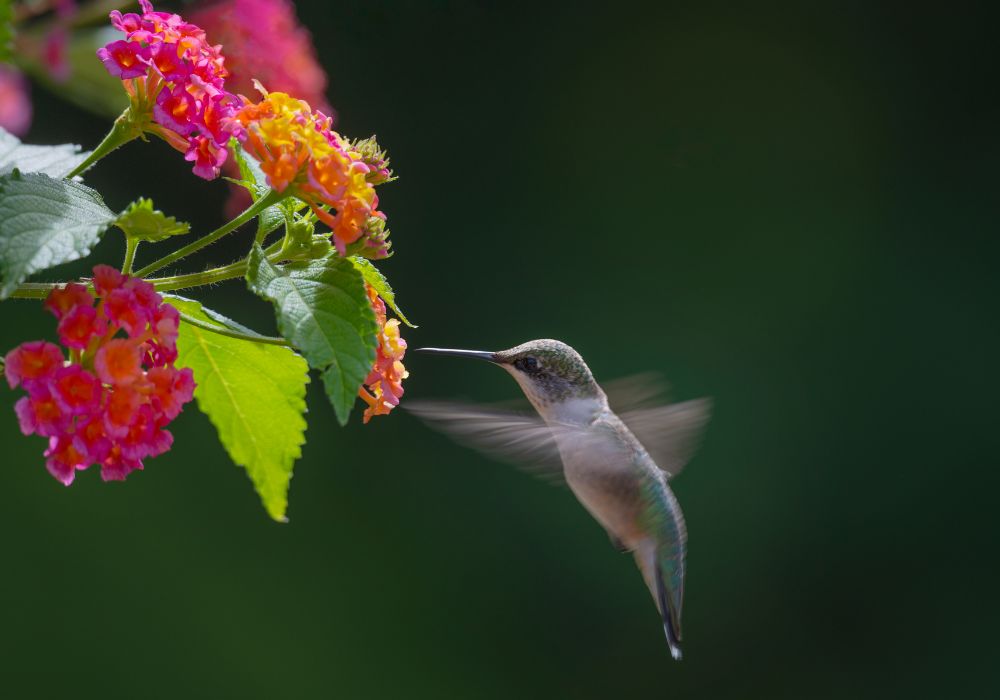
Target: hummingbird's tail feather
[
  {"x": 654, "y": 566},
  {"x": 670, "y": 628}
]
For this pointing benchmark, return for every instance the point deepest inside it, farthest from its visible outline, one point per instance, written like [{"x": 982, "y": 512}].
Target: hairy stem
[
  {"x": 121, "y": 133},
  {"x": 130, "y": 246},
  {"x": 217, "y": 274},
  {"x": 253, "y": 210},
  {"x": 274, "y": 253},
  {"x": 33, "y": 290}
]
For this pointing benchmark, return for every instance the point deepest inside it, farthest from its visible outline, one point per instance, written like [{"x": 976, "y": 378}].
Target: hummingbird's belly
[{"x": 610, "y": 492}]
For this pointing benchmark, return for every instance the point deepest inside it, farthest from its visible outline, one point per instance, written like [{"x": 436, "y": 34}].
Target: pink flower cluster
[
  {"x": 167, "y": 64},
  {"x": 264, "y": 41},
  {"x": 109, "y": 403}
]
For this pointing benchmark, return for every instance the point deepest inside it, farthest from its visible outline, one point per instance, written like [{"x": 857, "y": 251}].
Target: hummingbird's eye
[{"x": 527, "y": 364}]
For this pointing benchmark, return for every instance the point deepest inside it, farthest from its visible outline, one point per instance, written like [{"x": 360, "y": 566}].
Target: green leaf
[
  {"x": 45, "y": 222},
  {"x": 141, "y": 222},
  {"x": 57, "y": 161},
  {"x": 377, "y": 280},
  {"x": 323, "y": 309},
  {"x": 255, "y": 396}
]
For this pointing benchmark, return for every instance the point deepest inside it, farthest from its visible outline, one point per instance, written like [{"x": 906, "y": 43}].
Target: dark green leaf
[
  {"x": 254, "y": 394},
  {"x": 141, "y": 222},
  {"x": 45, "y": 222},
  {"x": 323, "y": 310},
  {"x": 57, "y": 161},
  {"x": 377, "y": 280}
]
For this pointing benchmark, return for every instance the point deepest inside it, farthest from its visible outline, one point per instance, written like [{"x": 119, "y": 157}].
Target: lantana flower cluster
[
  {"x": 109, "y": 403},
  {"x": 168, "y": 64},
  {"x": 385, "y": 381},
  {"x": 297, "y": 148}
]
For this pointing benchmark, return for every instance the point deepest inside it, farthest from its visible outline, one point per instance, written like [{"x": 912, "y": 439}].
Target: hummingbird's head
[
  {"x": 553, "y": 376},
  {"x": 555, "y": 379}
]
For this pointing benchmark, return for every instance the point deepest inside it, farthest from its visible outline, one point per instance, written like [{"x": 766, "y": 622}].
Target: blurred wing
[
  {"x": 644, "y": 390},
  {"x": 520, "y": 439},
  {"x": 670, "y": 433}
]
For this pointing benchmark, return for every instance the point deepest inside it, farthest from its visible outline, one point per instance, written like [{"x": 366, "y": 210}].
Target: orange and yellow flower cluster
[
  {"x": 297, "y": 148},
  {"x": 385, "y": 381}
]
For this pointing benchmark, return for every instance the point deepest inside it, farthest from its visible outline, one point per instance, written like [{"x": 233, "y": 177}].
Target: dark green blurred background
[{"x": 789, "y": 208}]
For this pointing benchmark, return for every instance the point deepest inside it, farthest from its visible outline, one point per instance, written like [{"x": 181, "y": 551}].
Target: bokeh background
[{"x": 791, "y": 208}]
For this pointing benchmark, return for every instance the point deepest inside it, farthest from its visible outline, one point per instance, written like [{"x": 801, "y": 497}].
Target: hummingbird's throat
[{"x": 559, "y": 402}]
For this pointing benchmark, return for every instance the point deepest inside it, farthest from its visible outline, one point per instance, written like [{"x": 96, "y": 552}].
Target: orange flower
[{"x": 118, "y": 362}]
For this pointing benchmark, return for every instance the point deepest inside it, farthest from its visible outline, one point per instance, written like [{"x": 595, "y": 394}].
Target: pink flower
[
  {"x": 123, "y": 308},
  {"x": 39, "y": 412},
  {"x": 62, "y": 299},
  {"x": 106, "y": 279},
  {"x": 171, "y": 389},
  {"x": 109, "y": 405},
  {"x": 79, "y": 326},
  {"x": 54, "y": 54},
  {"x": 77, "y": 391},
  {"x": 125, "y": 59},
  {"x": 15, "y": 103},
  {"x": 118, "y": 362},
  {"x": 176, "y": 84},
  {"x": 115, "y": 467},
  {"x": 63, "y": 459},
  {"x": 33, "y": 361}
]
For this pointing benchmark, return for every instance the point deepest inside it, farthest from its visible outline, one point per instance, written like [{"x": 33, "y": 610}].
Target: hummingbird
[{"x": 617, "y": 466}]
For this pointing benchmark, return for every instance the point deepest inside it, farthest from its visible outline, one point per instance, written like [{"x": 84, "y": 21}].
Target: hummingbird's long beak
[{"x": 477, "y": 354}]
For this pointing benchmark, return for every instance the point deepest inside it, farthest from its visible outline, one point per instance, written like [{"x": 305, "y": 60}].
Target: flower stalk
[
  {"x": 131, "y": 244},
  {"x": 122, "y": 132}
]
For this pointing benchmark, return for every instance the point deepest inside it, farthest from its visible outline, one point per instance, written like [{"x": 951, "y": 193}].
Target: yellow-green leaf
[{"x": 255, "y": 396}]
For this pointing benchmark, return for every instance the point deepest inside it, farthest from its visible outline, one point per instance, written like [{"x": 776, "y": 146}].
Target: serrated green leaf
[
  {"x": 376, "y": 279},
  {"x": 323, "y": 309},
  {"x": 254, "y": 395},
  {"x": 45, "y": 222},
  {"x": 56, "y": 161},
  {"x": 141, "y": 222}
]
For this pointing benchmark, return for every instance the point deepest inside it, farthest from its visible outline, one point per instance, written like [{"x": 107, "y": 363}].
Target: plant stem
[
  {"x": 228, "y": 332},
  {"x": 33, "y": 290},
  {"x": 121, "y": 133},
  {"x": 217, "y": 274},
  {"x": 270, "y": 199},
  {"x": 40, "y": 290},
  {"x": 130, "y": 245},
  {"x": 199, "y": 279}
]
